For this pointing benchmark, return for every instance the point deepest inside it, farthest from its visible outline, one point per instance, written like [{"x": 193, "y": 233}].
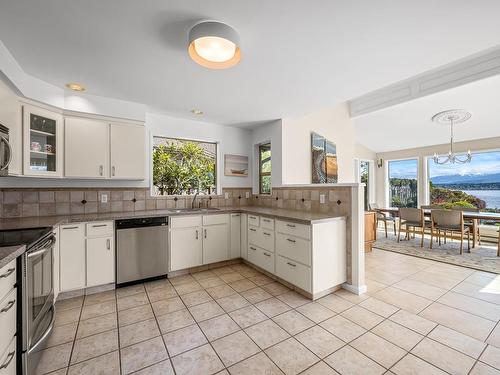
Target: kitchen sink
[{"x": 181, "y": 210}]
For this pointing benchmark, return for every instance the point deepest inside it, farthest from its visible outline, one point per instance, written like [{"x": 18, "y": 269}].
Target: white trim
[{"x": 360, "y": 289}]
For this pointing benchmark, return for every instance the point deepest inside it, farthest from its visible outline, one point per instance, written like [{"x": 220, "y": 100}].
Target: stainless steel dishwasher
[{"x": 141, "y": 249}]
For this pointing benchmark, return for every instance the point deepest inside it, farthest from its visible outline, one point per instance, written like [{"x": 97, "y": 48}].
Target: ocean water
[{"x": 491, "y": 197}]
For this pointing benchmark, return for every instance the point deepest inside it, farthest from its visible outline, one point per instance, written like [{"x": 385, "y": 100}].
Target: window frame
[
  {"x": 216, "y": 164},
  {"x": 266, "y": 146},
  {"x": 388, "y": 178}
]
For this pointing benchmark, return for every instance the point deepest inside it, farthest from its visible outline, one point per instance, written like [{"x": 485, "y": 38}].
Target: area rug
[{"x": 483, "y": 258}]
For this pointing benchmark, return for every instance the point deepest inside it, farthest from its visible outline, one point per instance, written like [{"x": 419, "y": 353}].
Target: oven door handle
[
  {"x": 42, "y": 248},
  {"x": 47, "y": 332},
  {"x": 39, "y": 252}
]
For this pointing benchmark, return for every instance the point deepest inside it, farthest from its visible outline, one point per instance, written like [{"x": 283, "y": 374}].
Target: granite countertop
[
  {"x": 52, "y": 221},
  {"x": 9, "y": 253}
]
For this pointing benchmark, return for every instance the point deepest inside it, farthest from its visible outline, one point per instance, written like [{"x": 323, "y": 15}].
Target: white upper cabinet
[
  {"x": 86, "y": 148},
  {"x": 42, "y": 142},
  {"x": 128, "y": 151}
]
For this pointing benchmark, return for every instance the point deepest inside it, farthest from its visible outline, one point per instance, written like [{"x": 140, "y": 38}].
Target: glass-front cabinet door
[{"x": 42, "y": 142}]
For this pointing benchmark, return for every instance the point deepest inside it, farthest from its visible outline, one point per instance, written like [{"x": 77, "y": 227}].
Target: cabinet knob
[
  {"x": 101, "y": 170},
  {"x": 108, "y": 244},
  {"x": 113, "y": 170},
  {"x": 196, "y": 233},
  {"x": 205, "y": 233}
]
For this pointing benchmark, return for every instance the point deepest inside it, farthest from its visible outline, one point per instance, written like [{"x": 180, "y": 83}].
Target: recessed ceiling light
[
  {"x": 214, "y": 45},
  {"x": 196, "y": 112},
  {"x": 75, "y": 86}
]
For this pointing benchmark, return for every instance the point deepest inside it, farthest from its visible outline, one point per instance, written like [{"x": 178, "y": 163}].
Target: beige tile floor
[{"x": 418, "y": 317}]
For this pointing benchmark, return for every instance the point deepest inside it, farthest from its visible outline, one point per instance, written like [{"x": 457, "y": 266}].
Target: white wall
[
  {"x": 332, "y": 123},
  {"x": 421, "y": 154},
  {"x": 230, "y": 140},
  {"x": 270, "y": 132}
]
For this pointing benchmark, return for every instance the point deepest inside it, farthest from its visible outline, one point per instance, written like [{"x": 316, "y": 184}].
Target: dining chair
[
  {"x": 412, "y": 218},
  {"x": 449, "y": 221},
  {"x": 473, "y": 224},
  {"x": 381, "y": 216}
]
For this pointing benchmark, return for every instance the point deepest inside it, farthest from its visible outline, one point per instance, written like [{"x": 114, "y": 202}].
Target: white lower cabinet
[
  {"x": 57, "y": 253},
  {"x": 235, "y": 247},
  {"x": 185, "y": 247},
  {"x": 8, "y": 359},
  {"x": 215, "y": 243},
  {"x": 311, "y": 257},
  {"x": 72, "y": 257},
  {"x": 86, "y": 255},
  {"x": 294, "y": 273},
  {"x": 100, "y": 261},
  {"x": 244, "y": 236},
  {"x": 261, "y": 258}
]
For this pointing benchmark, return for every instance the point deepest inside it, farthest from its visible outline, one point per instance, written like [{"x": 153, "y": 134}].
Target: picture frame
[{"x": 235, "y": 165}]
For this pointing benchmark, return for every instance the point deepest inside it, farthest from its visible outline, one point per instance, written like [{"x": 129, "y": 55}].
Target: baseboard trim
[{"x": 355, "y": 289}]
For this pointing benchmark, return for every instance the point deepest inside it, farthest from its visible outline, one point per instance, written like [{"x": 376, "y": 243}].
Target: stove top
[{"x": 26, "y": 237}]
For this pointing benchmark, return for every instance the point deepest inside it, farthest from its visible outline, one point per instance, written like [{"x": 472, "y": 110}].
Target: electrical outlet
[
  {"x": 322, "y": 198},
  {"x": 226, "y": 195},
  {"x": 104, "y": 198},
  {"x": 247, "y": 194}
]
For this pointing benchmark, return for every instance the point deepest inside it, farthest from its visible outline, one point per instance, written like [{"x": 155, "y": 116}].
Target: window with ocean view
[
  {"x": 403, "y": 183},
  {"x": 475, "y": 184}
]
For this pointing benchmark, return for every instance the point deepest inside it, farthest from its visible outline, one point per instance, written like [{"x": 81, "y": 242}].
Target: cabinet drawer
[
  {"x": 8, "y": 359},
  {"x": 293, "y": 272},
  {"x": 266, "y": 239},
  {"x": 294, "y": 248},
  {"x": 104, "y": 228},
  {"x": 185, "y": 221},
  {"x": 253, "y": 235},
  {"x": 253, "y": 220},
  {"x": 215, "y": 219},
  {"x": 8, "y": 319},
  {"x": 261, "y": 258},
  {"x": 267, "y": 223},
  {"x": 299, "y": 230},
  {"x": 7, "y": 278}
]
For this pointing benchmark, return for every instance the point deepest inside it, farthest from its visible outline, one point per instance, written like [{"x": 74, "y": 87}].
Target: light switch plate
[
  {"x": 226, "y": 195},
  {"x": 322, "y": 198},
  {"x": 247, "y": 194},
  {"x": 104, "y": 198}
]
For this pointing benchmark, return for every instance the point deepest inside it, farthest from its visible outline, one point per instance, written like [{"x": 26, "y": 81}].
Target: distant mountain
[{"x": 466, "y": 179}]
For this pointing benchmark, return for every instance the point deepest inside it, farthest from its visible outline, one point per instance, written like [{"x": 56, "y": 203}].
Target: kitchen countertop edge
[{"x": 9, "y": 253}]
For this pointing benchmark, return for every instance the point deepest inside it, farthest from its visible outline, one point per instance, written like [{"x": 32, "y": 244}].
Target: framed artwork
[
  {"x": 235, "y": 165},
  {"x": 324, "y": 160}
]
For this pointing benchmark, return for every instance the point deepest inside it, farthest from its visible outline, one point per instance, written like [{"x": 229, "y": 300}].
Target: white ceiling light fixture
[
  {"x": 214, "y": 45},
  {"x": 452, "y": 117}
]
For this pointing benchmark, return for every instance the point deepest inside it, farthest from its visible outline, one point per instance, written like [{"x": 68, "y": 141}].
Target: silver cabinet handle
[
  {"x": 8, "y": 273},
  {"x": 291, "y": 225},
  {"x": 253, "y": 230},
  {"x": 113, "y": 170},
  {"x": 267, "y": 255},
  {"x": 108, "y": 244},
  {"x": 8, "y": 306},
  {"x": 266, "y": 234},
  {"x": 252, "y": 248},
  {"x": 99, "y": 225},
  {"x": 8, "y": 360},
  {"x": 205, "y": 233},
  {"x": 235, "y": 215},
  {"x": 252, "y": 217},
  {"x": 291, "y": 264},
  {"x": 70, "y": 228},
  {"x": 266, "y": 220},
  {"x": 290, "y": 240},
  {"x": 9, "y": 158},
  {"x": 196, "y": 233},
  {"x": 101, "y": 170}
]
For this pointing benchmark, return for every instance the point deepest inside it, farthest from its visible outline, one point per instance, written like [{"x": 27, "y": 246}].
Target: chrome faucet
[{"x": 194, "y": 199}]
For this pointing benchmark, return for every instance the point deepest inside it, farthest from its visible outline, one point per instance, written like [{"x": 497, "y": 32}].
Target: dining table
[{"x": 470, "y": 215}]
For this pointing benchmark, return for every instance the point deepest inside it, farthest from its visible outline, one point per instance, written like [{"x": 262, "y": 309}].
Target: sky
[{"x": 482, "y": 164}]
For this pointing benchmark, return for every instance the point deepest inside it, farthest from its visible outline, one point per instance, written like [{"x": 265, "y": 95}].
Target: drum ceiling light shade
[{"x": 214, "y": 45}]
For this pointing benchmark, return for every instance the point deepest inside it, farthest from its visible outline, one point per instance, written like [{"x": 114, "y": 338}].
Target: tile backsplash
[{"x": 49, "y": 202}]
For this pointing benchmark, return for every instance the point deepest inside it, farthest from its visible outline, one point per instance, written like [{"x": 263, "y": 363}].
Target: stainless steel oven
[
  {"x": 37, "y": 300},
  {"x": 5, "y": 151}
]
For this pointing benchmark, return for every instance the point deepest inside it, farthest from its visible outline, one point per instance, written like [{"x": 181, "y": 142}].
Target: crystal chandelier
[{"x": 452, "y": 117}]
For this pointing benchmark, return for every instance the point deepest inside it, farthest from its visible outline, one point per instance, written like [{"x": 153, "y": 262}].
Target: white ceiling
[
  {"x": 297, "y": 56},
  {"x": 409, "y": 125}
]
